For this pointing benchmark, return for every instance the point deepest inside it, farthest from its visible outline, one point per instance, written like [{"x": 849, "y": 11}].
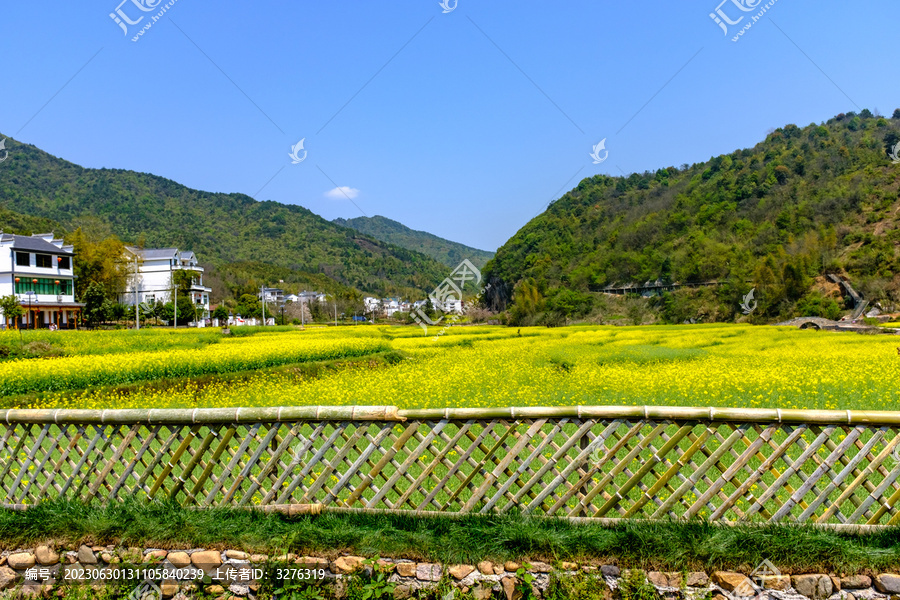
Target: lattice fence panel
[{"x": 563, "y": 462}]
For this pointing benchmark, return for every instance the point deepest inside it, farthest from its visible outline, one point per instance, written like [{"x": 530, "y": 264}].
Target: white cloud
[{"x": 341, "y": 193}]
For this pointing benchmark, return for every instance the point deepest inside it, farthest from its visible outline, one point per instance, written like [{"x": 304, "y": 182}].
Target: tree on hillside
[
  {"x": 896, "y": 114},
  {"x": 890, "y": 140},
  {"x": 795, "y": 283}
]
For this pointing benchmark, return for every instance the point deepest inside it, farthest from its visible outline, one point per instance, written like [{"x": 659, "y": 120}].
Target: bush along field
[{"x": 484, "y": 366}]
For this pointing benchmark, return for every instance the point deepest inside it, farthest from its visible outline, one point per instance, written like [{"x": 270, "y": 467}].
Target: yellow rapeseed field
[{"x": 700, "y": 365}]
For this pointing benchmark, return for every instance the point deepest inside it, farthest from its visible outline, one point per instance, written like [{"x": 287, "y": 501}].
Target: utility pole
[
  {"x": 175, "y": 304},
  {"x": 262, "y": 297},
  {"x": 137, "y": 310},
  {"x": 335, "y": 310}
]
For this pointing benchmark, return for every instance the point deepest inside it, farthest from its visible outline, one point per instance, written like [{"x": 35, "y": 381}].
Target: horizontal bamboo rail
[
  {"x": 599, "y": 463},
  {"x": 283, "y": 414},
  {"x": 287, "y": 414},
  {"x": 738, "y": 415}
]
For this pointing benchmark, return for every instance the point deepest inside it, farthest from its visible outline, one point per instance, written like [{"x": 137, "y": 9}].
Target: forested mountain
[
  {"x": 233, "y": 233},
  {"x": 806, "y": 201},
  {"x": 445, "y": 251}
]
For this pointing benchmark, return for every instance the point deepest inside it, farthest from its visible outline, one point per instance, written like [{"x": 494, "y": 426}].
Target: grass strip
[{"x": 668, "y": 546}]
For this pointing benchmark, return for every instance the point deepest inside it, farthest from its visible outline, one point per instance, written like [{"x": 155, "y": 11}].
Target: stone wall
[{"x": 37, "y": 571}]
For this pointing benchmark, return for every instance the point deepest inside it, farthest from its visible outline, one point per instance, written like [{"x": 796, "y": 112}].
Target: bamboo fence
[{"x": 603, "y": 462}]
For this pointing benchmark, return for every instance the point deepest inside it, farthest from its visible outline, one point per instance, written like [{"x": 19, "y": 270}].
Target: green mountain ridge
[
  {"x": 233, "y": 233},
  {"x": 442, "y": 250},
  {"x": 803, "y": 202}
]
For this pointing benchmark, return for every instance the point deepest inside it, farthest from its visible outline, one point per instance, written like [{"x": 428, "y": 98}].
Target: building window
[
  {"x": 23, "y": 259},
  {"x": 44, "y": 286},
  {"x": 44, "y": 261},
  {"x": 65, "y": 262}
]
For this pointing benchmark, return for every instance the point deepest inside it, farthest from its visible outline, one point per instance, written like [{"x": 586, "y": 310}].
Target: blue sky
[{"x": 464, "y": 124}]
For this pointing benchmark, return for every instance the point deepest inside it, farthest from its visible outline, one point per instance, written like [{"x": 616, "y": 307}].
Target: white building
[
  {"x": 390, "y": 306},
  {"x": 272, "y": 296},
  {"x": 154, "y": 280},
  {"x": 38, "y": 270},
  {"x": 373, "y": 305}
]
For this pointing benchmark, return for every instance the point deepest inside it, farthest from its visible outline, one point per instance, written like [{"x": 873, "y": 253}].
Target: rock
[
  {"x": 20, "y": 560},
  {"x": 406, "y": 569},
  {"x": 179, "y": 560},
  {"x": 155, "y": 555},
  {"x": 461, "y": 571},
  {"x": 483, "y": 591},
  {"x": 402, "y": 592},
  {"x": 239, "y": 589},
  {"x": 729, "y": 581},
  {"x": 131, "y": 555},
  {"x": 386, "y": 565},
  {"x": 835, "y": 583},
  {"x": 509, "y": 588},
  {"x": 540, "y": 567},
  {"x": 86, "y": 556},
  {"x": 886, "y": 583},
  {"x": 215, "y": 589},
  {"x": 313, "y": 562},
  {"x": 72, "y": 573},
  {"x": 347, "y": 564},
  {"x": 499, "y": 570},
  {"x": 236, "y": 555},
  {"x": 168, "y": 588},
  {"x": 658, "y": 579},
  {"x": 675, "y": 579},
  {"x": 697, "y": 579},
  {"x": 7, "y": 578},
  {"x": 780, "y": 583},
  {"x": 428, "y": 572},
  {"x": 258, "y": 559},
  {"x": 206, "y": 560},
  {"x": 568, "y": 566},
  {"x": 486, "y": 567},
  {"x": 45, "y": 555},
  {"x": 30, "y": 591},
  {"x": 817, "y": 587},
  {"x": 286, "y": 558},
  {"x": 856, "y": 582},
  {"x": 511, "y": 566},
  {"x": 610, "y": 571}
]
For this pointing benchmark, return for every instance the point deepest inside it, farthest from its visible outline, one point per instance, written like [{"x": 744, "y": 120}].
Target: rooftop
[
  {"x": 153, "y": 253},
  {"x": 34, "y": 243}
]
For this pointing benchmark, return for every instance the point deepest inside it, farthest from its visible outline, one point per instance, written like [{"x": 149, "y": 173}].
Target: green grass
[{"x": 662, "y": 545}]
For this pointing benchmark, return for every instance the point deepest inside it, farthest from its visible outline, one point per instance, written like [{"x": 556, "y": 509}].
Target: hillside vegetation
[
  {"x": 804, "y": 202},
  {"x": 227, "y": 231},
  {"x": 392, "y": 232}
]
